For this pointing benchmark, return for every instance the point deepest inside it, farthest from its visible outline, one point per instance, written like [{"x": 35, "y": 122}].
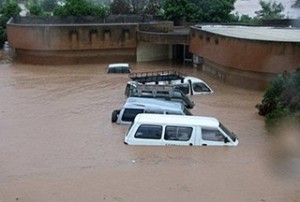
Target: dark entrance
[{"x": 181, "y": 54}]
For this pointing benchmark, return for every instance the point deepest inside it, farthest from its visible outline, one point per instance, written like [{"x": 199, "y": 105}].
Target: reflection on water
[{"x": 57, "y": 142}]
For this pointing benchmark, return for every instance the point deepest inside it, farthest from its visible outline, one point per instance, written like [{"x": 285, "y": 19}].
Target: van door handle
[
  {"x": 191, "y": 144},
  {"x": 204, "y": 144}
]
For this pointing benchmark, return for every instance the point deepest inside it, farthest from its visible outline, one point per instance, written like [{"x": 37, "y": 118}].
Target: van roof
[
  {"x": 177, "y": 119},
  {"x": 118, "y": 65},
  {"x": 152, "y": 102}
]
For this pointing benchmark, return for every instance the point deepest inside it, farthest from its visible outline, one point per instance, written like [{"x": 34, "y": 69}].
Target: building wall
[
  {"x": 247, "y": 63},
  {"x": 152, "y": 52},
  {"x": 63, "y": 37},
  {"x": 62, "y": 41},
  {"x": 66, "y": 43},
  {"x": 243, "y": 54}
]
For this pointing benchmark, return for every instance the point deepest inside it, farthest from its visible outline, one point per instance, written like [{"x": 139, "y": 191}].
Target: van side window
[
  {"x": 129, "y": 114},
  {"x": 183, "y": 87},
  {"x": 177, "y": 133},
  {"x": 174, "y": 113},
  {"x": 153, "y": 111},
  {"x": 200, "y": 87},
  {"x": 212, "y": 135},
  {"x": 148, "y": 132}
]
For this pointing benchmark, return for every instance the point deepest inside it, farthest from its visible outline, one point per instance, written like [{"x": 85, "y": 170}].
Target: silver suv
[
  {"x": 163, "y": 92},
  {"x": 135, "y": 105}
]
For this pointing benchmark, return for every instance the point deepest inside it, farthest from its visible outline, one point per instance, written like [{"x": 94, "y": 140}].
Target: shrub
[{"x": 281, "y": 100}]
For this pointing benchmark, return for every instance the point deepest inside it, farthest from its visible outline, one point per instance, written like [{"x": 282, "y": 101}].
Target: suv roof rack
[
  {"x": 154, "y": 89},
  {"x": 156, "y": 76}
]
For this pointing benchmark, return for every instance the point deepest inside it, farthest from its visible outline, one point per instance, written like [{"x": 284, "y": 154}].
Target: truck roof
[{"x": 177, "y": 119}]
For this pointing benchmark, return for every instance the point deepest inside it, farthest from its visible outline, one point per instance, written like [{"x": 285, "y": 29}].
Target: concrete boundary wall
[{"x": 53, "y": 41}]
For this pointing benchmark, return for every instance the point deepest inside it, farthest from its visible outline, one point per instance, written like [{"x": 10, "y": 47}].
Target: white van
[
  {"x": 157, "y": 129},
  {"x": 187, "y": 84},
  {"x": 136, "y": 105}
]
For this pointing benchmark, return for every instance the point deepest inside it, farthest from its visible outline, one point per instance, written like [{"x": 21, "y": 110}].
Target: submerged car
[
  {"x": 187, "y": 84},
  {"x": 118, "y": 68},
  {"x": 135, "y": 105},
  {"x": 164, "y": 92},
  {"x": 157, "y": 129}
]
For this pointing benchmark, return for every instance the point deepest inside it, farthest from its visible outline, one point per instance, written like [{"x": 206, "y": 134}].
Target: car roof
[
  {"x": 118, "y": 65},
  {"x": 176, "y": 120},
  {"x": 154, "y": 103}
]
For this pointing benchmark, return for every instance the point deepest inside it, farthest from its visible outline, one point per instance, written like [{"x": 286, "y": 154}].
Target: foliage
[
  {"x": 8, "y": 9},
  {"x": 214, "y": 10},
  {"x": 138, "y": 6},
  {"x": 281, "y": 99},
  {"x": 244, "y": 19},
  {"x": 80, "y": 8},
  {"x": 199, "y": 10},
  {"x": 153, "y": 7},
  {"x": 120, "y": 7},
  {"x": 135, "y": 6},
  {"x": 180, "y": 9},
  {"x": 270, "y": 10},
  {"x": 36, "y": 10},
  {"x": 2, "y": 36},
  {"x": 49, "y": 5},
  {"x": 296, "y": 4}
]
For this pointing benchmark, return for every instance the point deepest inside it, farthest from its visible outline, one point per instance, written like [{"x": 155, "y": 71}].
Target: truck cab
[{"x": 187, "y": 84}]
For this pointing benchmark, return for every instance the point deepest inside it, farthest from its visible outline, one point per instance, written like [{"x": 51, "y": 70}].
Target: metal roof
[{"x": 254, "y": 33}]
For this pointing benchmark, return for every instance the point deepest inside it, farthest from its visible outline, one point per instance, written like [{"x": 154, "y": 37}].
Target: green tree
[
  {"x": 36, "y": 10},
  {"x": 138, "y": 6},
  {"x": 120, "y": 7},
  {"x": 8, "y": 9},
  {"x": 80, "y": 8},
  {"x": 153, "y": 7},
  {"x": 214, "y": 10},
  {"x": 244, "y": 19},
  {"x": 199, "y": 10},
  {"x": 2, "y": 36},
  {"x": 49, "y": 5},
  {"x": 178, "y": 10},
  {"x": 270, "y": 10},
  {"x": 281, "y": 100}
]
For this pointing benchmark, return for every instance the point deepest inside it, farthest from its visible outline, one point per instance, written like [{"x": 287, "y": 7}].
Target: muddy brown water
[{"x": 57, "y": 143}]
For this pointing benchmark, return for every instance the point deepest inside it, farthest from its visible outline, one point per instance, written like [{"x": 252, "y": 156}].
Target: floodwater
[{"x": 57, "y": 143}]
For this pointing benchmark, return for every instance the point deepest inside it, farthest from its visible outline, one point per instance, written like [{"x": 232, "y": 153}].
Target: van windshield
[
  {"x": 129, "y": 128},
  {"x": 230, "y": 134}
]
